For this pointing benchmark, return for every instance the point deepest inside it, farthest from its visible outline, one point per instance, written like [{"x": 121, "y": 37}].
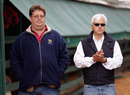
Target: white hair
[{"x": 97, "y": 17}]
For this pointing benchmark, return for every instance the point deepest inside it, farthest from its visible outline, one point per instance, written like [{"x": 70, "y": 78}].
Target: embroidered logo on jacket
[{"x": 50, "y": 41}]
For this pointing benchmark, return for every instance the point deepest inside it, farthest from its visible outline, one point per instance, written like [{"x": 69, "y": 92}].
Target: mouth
[
  {"x": 39, "y": 22},
  {"x": 99, "y": 30}
]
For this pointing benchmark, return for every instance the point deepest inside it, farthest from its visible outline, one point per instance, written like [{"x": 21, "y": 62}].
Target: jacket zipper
[
  {"x": 40, "y": 62},
  {"x": 40, "y": 57}
]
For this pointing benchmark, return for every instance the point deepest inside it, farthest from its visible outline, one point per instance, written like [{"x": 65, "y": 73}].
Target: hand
[
  {"x": 100, "y": 53},
  {"x": 99, "y": 56}
]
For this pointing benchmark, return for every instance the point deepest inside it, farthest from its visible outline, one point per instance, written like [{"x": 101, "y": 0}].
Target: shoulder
[
  {"x": 56, "y": 34},
  {"x": 108, "y": 37},
  {"x": 22, "y": 36},
  {"x": 85, "y": 40}
]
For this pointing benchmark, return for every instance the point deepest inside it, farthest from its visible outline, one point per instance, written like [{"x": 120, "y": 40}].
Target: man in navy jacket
[
  {"x": 98, "y": 55},
  {"x": 39, "y": 56}
]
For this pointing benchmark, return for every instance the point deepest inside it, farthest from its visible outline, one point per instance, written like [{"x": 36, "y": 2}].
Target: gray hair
[{"x": 97, "y": 17}]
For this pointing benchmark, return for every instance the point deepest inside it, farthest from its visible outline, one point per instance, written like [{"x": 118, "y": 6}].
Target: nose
[
  {"x": 39, "y": 17},
  {"x": 100, "y": 26}
]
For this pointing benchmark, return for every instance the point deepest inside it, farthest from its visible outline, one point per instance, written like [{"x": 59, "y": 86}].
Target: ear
[
  {"x": 92, "y": 27},
  {"x": 30, "y": 18}
]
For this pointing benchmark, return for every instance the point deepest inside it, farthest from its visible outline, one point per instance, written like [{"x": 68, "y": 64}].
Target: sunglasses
[{"x": 97, "y": 24}]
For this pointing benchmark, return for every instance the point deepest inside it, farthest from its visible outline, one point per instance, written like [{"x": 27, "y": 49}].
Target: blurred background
[{"x": 71, "y": 18}]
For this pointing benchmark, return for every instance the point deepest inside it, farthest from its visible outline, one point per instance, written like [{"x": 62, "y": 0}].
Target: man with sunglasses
[{"x": 98, "y": 55}]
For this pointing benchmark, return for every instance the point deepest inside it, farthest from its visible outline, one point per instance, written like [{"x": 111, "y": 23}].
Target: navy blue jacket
[
  {"x": 97, "y": 74},
  {"x": 43, "y": 63}
]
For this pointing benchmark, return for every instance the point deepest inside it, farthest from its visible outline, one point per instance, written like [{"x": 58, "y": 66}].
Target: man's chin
[{"x": 40, "y": 26}]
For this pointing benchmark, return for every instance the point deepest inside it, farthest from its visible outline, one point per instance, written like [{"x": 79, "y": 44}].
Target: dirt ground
[{"x": 123, "y": 84}]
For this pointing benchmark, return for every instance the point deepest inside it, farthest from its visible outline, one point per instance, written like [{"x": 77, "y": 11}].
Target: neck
[
  {"x": 98, "y": 37},
  {"x": 38, "y": 30}
]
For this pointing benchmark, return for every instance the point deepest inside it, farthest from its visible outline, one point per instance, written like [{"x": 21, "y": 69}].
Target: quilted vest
[{"x": 97, "y": 74}]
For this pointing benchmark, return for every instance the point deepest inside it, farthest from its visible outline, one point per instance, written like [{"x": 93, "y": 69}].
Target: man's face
[
  {"x": 99, "y": 27},
  {"x": 37, "y": 20}
]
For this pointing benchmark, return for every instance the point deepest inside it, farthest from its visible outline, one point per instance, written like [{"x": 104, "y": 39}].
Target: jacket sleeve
[
  {"x": 15, "y": 60},
  {"x": 63, "y": 59}
]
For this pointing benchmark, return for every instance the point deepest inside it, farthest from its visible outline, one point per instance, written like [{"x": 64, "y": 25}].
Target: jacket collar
[
  {"x": 107, "y": 40},
  {"x": 106, "y": 35},
  {"x": 28, "y": 30}
]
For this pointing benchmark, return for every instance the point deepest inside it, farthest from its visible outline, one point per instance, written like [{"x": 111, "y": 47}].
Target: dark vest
[{"x": 97, "y": 74}]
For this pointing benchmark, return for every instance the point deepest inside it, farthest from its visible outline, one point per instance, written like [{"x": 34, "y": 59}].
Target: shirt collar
[{"x": 96, "y": 39}]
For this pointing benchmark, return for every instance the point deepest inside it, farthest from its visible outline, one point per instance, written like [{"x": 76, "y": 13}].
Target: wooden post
[{"x": 2, "y": 51}]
